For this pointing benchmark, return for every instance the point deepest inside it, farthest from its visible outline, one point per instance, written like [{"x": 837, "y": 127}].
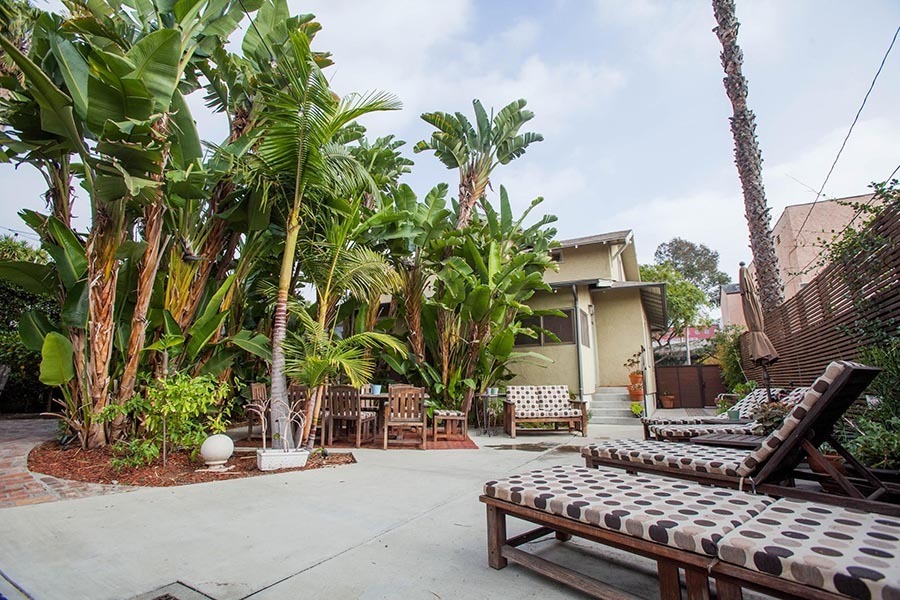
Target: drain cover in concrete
[{"x": 173, "y": 591}]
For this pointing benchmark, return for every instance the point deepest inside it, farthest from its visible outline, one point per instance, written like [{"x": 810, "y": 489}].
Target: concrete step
[
  {"x": 630, "y": 420},
  {"x": 612, "y": 390},
  {"x": 616, "y": 396},
  {"x": 610, "y": 403},
  {"x": 611, "y": 412}
]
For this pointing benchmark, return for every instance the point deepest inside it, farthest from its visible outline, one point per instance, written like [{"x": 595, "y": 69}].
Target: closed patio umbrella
[{"x": 761, "y": 350}]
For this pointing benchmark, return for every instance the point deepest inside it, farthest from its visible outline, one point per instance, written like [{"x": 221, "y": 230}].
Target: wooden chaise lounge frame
[
  {"x": 698, "y": 569},
  {"x": 775, "y": 477}
]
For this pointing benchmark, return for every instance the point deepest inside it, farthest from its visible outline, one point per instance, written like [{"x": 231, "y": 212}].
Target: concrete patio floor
[{"x": 398, "y": 524}]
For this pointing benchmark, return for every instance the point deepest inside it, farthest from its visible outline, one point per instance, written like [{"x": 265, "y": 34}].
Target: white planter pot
[
  {"x": 272, "y": 460},
  {"x": 217, "y": 449}
]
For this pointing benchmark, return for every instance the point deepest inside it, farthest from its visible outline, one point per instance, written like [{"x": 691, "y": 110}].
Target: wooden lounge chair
[
  {"x": 772, "y": 467},
  {"x": 745, "y": 407},
  {"x": 682, "y": 432},
  {"x": 785, "y": 548},
  {"x": 405, "y": 409},
  {"x": 345, "y": 409},
  {"x": 543, "y": 404}
]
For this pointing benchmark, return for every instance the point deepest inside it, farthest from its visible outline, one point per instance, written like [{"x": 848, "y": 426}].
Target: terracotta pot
[
  {"x": 667, "y": 401},
  {"x": 636, "y": 378}
]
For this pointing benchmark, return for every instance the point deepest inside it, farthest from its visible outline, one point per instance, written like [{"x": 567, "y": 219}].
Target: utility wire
[
  {"x": 849, "y": 131},
  {"x": 18, "y": 232},
  {"x": 840, "y": 234}
]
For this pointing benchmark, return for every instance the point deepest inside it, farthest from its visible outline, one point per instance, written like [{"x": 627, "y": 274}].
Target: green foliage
[
  {"x": 887, "y": 385},
  {"x": 744, "y": 388},
  {"x": 194, "y": 408},
  {"x": 637, "y": 409},
  {"x": 697, "y": 263},
  {"x": 724, "y": 404},
  {"x": 770, "y": 416},
  {"x": 879, "y": 444},
  {"x": 684, "y": 300},
  {"x": 134, "y": 453},
  {"x": 727, "y": 344}
]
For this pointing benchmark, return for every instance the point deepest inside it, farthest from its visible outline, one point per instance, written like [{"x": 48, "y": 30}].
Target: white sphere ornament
[{"x": 217, "y": 449}]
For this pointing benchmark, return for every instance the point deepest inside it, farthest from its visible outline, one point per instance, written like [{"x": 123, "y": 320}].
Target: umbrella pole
[{"x": 767, "y": 381}]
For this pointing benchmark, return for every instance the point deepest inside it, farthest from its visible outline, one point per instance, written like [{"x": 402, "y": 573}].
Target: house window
[
  {"x": 562, "y": 327},
  {"x": 556, "y": 256}
]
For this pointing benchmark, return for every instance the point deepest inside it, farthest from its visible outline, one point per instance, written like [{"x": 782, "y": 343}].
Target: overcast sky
[{"x": 628, "y": 95}]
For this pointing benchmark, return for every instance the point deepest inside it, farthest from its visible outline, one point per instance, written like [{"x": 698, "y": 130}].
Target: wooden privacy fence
[
  {"x": 854, "y": 302},
  {"x": 694, "y": 386}
]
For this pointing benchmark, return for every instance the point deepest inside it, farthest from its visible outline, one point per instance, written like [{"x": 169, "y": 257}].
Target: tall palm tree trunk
[
  {"x": 748, "y": 158},
  {"x": 279, "y": 399}
]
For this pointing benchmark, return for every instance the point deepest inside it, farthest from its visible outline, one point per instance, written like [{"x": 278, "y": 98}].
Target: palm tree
[
  {"x": 300, "y": 118},
  {"x": 477, "y": 151},
  {"x": 748, "y": 158}
]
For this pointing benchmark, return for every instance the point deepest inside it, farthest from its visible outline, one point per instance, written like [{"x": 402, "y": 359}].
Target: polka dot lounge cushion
[
  {"x": 667, "y": 511},
  {"x": 836, "y": 549},
  {"x": 548, "y": 413},
  {"x": 775, "y": 439},
  {"x": 554, "y": 397},
  {"x": 689, "y": 431},
  {"x": 704, "y": 459},
  {"x": 745, "y": 407},
  {"x": 448, "y": 413},
  {"x": 525, "y": 397}
]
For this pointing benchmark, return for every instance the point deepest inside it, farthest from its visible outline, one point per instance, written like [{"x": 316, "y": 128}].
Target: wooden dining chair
[
  {"x": 258, "y": 394},
  {"x": 456, "y": 422},
  {"x": 405, "y": 409},
  {"x": 345, "y": 410}
]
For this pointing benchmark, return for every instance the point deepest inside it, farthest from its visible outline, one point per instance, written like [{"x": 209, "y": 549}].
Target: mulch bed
[{"x": 93, "y": 466}]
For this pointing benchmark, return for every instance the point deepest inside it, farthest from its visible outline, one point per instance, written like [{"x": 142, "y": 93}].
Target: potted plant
[
  {"x": 633, "y": 364},
  {"x": 637, "y": 409},
  {"x": 284, "y": 453},
  {"x": 667, "y": 400}
]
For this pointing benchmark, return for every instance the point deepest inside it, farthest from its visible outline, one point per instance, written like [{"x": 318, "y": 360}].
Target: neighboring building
[
  {"x": 696, "y": 334},
  {"x": 609, "y": 314},
  {"x": 798, "y": 234}
]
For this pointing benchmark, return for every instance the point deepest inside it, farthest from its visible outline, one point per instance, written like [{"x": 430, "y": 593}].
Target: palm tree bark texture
[{"x": 748, "y": 158}]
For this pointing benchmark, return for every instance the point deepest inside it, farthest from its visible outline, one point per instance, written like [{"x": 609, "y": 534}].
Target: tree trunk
[
  {"x": 153, "y": 226},
  {"x": 103, "y": 242},
  {"x": 748, "y": 158},
  {"x": 279, "y": 399}
]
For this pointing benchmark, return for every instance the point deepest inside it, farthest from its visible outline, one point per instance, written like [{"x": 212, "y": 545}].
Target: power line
[
  {"x": 18, "y": 232},
  {"x": 849, "y": 131},
  {"x": 859, "y": 211}
]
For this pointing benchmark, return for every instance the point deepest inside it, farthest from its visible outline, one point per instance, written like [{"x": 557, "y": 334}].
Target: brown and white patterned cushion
[
  {"x": 775, "y": 439},
  {"x": 745, "y": 407},
  {"x": 794, "y": 396},
  {"x": 667, "y": 511},
  {"x": 525, "y": 397},
  {"x": 689, "y": 431},
  {"x": 837, "y": 549},
  {"x": 554, "y": 397},
  {"x": 703, "y": 459},
  {"x": 448, "y": 413}
]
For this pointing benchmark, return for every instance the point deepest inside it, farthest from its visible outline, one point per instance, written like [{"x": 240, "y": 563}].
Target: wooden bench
[
  {"x": 787, "y": 548},
  {"x": 543, "y": 404}
]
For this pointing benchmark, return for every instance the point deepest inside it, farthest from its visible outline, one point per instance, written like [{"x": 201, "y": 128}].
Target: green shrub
[
  {"x": 191, "y": 407},
  {"x": 770, "y": 416},
  {"x": 887, "y": 385},
  {"x": 637, "y": 409},
  {"x": 728, "y": 355},
  {"x": 879, "y": 444},
  {"x": 742, "y": 389}
]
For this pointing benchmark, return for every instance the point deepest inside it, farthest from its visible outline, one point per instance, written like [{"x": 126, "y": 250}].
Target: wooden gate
[{"x": 694, "y": 386}]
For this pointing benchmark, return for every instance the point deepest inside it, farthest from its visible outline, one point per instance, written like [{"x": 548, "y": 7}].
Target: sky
[{"x": 628, "y": 96}]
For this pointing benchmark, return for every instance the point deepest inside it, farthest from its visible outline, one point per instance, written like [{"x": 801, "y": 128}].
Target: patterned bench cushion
[
  {"x": 703, "y": 459},
  {"x": 689, "y": 431},
  {"x": 836, "y": 549},
  {"x": 541, "y": 401},
  {"x": 667, "y": 511},
  {"x": 448, "y": 413}
]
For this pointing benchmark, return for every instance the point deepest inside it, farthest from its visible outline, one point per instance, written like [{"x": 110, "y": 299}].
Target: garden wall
[{"x": 852, "y": 303}]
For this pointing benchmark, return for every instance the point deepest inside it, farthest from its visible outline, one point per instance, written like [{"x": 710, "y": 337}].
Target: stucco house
[{"x": 609, "y": 315}]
